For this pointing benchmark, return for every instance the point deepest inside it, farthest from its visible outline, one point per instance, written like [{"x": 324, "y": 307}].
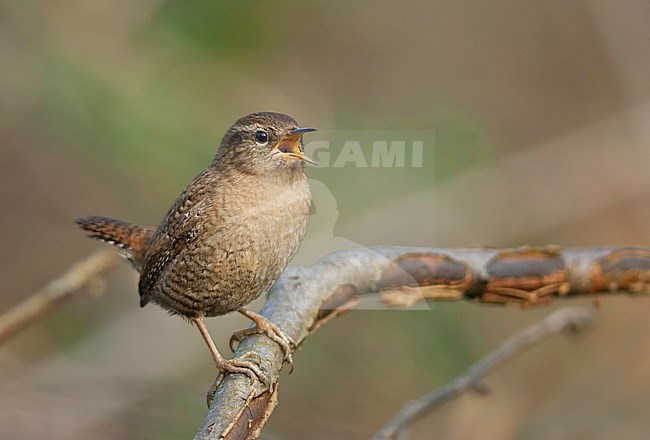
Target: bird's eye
[{"x": 261, "y": 136}]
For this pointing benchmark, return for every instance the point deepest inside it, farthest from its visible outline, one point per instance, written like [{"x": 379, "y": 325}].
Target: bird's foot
[
  {"x": 247, "y": 364},
  {"x": 266, "y": 327}
]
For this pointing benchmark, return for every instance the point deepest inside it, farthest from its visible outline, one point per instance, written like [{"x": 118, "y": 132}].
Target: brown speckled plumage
[{"x": 233, "y": 230}]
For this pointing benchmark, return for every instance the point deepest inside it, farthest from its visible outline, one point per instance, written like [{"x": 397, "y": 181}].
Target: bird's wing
[{"x": 184, "y": 223}]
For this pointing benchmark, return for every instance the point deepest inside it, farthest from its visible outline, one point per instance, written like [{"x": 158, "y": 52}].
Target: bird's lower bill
[{"x": 291, "y": 149}]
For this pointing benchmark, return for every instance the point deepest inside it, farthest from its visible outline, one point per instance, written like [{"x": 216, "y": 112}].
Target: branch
[
  {"x": 566, "y": 318},
  {"x": 306, "y": 297},
  {"x": 61, "y": 289}
]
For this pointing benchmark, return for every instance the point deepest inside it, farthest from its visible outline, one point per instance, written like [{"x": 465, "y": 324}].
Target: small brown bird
[{"x": 228, "y": 236}]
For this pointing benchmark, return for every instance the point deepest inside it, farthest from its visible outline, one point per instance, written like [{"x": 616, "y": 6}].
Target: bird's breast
[{"x": 254, "y": 245}]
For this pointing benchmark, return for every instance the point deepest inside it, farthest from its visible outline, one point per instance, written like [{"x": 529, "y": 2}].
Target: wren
[{"x": 228, "y": 236}]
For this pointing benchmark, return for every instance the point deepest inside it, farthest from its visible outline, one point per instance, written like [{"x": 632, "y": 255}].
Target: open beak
[{"x": 291, "y": 147}]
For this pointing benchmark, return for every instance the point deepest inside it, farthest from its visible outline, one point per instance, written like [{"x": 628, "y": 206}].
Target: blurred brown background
[{"x": 541, "y": 114}]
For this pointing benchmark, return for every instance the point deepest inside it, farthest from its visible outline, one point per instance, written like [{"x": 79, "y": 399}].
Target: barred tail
[{"x": 132, "y": 240}]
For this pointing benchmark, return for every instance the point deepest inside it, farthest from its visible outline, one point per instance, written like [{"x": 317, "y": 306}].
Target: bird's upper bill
[{"x": 291, "y": 146}]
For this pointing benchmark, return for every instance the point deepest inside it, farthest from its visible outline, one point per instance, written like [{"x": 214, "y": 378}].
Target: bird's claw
[
  {"x": 240, "y": 365},
  {"x": 275, "y": 333}
]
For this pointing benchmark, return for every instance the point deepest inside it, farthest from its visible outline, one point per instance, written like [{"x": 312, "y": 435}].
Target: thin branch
[
  {"x": 61, "y": 289},
  {"x": 306, "y": 297},
  {"x": 566, "y": 318}
]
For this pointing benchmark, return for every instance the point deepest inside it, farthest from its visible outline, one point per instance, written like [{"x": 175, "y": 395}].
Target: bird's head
[{"x": 262, "y": 143}]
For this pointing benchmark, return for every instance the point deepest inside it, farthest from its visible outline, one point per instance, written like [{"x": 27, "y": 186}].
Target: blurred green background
[{"x": 540, "y": 118}]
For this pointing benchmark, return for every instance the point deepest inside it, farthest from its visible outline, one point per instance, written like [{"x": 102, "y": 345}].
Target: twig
[
  {"x": 566, "y": 318},
  {"x": 61, "y": 289},
  {"x": 306, "y": 297}
]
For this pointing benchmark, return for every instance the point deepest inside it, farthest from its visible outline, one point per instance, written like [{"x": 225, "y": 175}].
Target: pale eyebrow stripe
[{"x": 248, "y": 127}]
